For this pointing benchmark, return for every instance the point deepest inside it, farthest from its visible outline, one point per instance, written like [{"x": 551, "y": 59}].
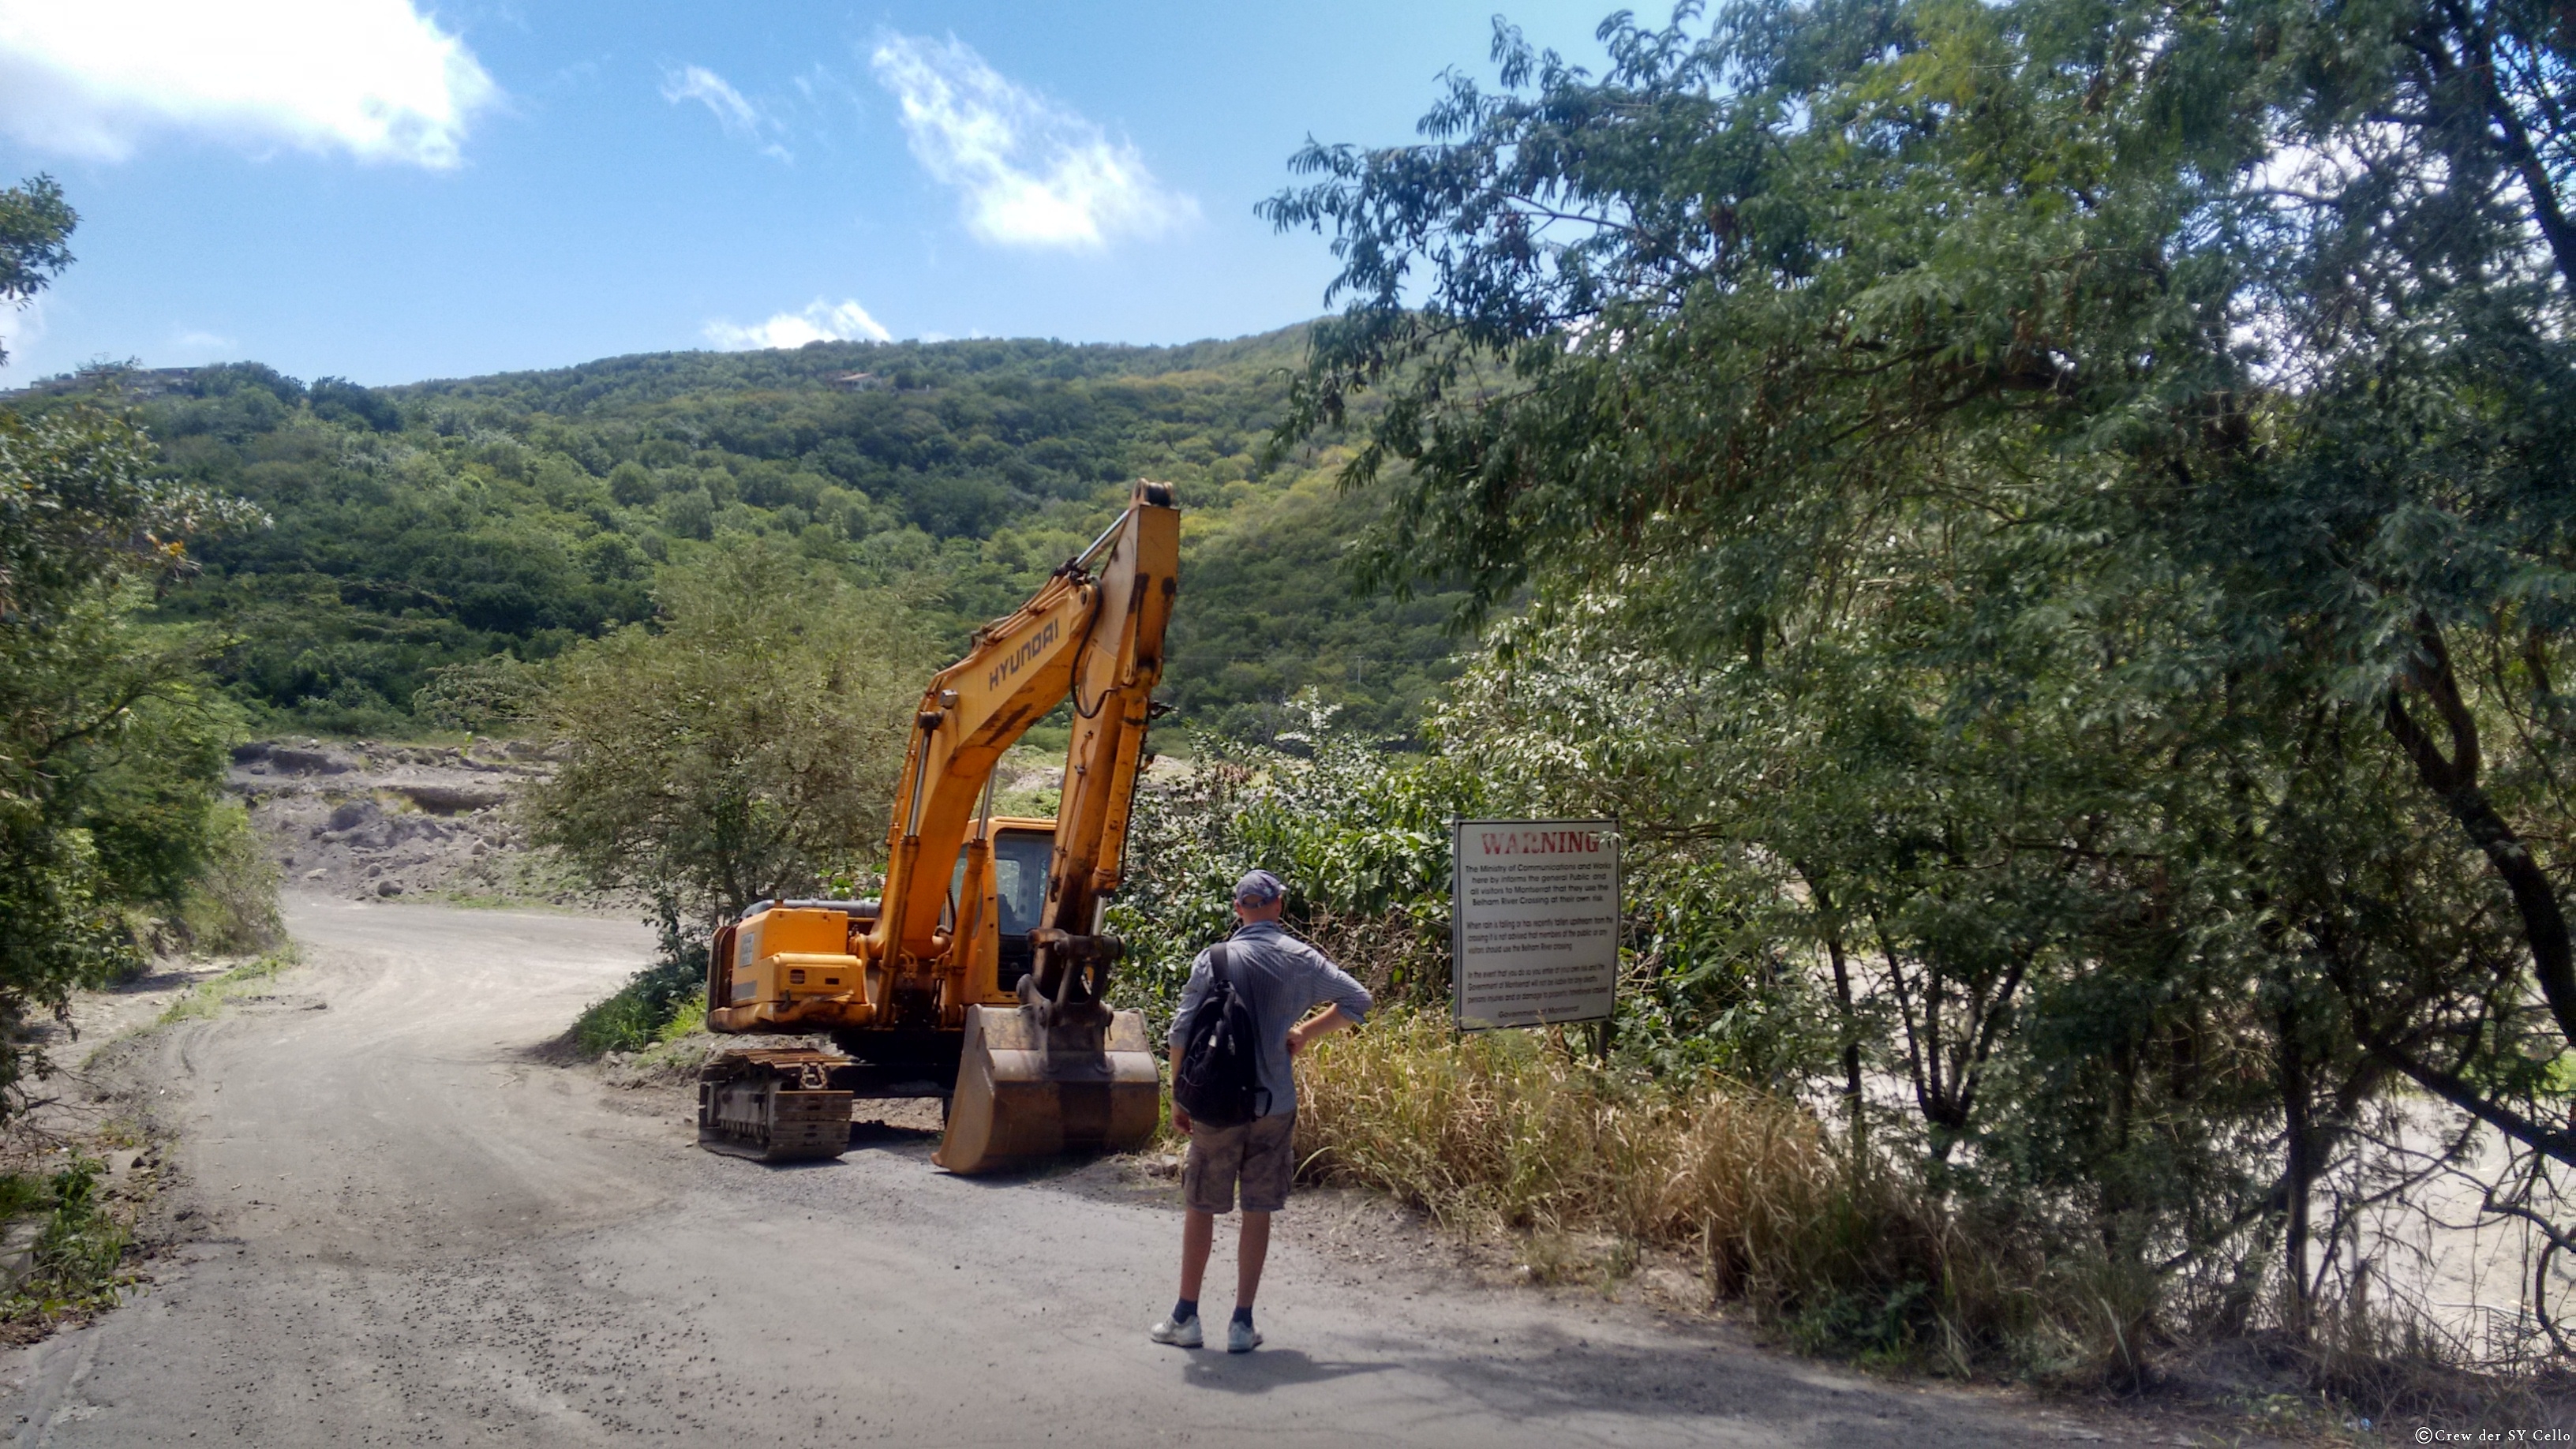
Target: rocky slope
[{"x": 369, "y": 821}]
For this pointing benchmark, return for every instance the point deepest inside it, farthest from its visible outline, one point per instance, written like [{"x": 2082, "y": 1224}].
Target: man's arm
[
  {"x": 1346, "y": 1004},
  {"x": 1322, "y": 1024}
]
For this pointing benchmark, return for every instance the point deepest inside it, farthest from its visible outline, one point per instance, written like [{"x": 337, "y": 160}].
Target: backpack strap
[{"x": 1221, "y": 957}]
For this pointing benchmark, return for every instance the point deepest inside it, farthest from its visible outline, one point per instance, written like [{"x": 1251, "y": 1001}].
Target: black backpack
[{"x": 1216, "y": 1075}]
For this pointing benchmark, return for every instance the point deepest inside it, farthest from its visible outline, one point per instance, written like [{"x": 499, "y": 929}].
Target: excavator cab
[{"x": 1020, "y": 851}]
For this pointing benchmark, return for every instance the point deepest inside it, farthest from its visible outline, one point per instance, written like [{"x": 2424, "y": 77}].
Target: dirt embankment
[
  {"x": 369, "y": 820},
  {"x": 374, "y": 821}
]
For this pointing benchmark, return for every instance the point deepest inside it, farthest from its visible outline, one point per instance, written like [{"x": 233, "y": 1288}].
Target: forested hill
[{"x": 440, "y": 522}]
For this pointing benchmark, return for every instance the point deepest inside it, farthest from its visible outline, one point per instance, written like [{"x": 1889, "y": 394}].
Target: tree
[
  {"x": 111, "y": 748},
  {"x": 35, "y": 232},
  {"x": 744, "y": 744},
  {"x": 2098, "y": 471}
]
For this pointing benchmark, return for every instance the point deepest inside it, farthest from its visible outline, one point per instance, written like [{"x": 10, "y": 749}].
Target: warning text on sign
[{"x": 1536, "y": 904}]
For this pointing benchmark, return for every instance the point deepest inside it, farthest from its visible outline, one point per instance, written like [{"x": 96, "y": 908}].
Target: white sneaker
[
  {"x": 1241, "y": 1337},
  {"x": 1184, "y": 1334}
]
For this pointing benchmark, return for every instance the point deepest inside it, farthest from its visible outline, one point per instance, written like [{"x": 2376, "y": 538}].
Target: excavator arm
[
  {"x": 910, "y": 981},
  {"x": 1061, "y": 1071},
  {"x": 1093, "y": 634}
]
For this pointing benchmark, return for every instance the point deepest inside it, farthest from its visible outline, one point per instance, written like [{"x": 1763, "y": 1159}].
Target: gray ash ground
[
  {"x": 380, "y": 821},
  {"x": 366, "y": 820}
]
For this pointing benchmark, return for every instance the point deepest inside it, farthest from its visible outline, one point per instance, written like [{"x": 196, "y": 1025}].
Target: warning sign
[{"x": 1535, "y": 921}]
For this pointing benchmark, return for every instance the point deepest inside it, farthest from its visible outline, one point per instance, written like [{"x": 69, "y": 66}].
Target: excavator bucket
[{"x": 1040, "y": 1081}]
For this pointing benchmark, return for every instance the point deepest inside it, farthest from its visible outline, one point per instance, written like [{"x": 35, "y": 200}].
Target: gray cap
[{"x": 1258, "y": 888}]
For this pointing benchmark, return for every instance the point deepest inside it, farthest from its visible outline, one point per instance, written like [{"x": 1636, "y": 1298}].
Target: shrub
[
  {"x": 636, "y": 1016},
  {"x": 1508, "y": 1130},
  {"x": 665, "y": 999},
  {"x": 231, "y": 907},
  {"x": 1514, "y": 1133},
  {"x": 80, "y": 1251}
]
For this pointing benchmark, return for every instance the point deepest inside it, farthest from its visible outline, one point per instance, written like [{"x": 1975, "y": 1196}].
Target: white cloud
[
  {"x": 1032, "y": 172},
  {"x": 820, "y": 322},
  {"x": 374, "y": 78},
  {"x": 740, "y": 118},
  {"x": 192, "y": 343},
  {"x": 697, "y": 83}
]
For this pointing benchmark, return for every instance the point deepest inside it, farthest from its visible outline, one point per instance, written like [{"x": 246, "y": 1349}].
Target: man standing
[{"x": 1280, "y": 977}]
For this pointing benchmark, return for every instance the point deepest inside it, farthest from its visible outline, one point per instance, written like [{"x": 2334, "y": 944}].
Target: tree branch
[{"x": 2454, "y": 779}]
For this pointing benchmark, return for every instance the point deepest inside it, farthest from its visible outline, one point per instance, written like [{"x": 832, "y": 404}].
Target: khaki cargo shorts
[{"x": 1261, "y": 1153}]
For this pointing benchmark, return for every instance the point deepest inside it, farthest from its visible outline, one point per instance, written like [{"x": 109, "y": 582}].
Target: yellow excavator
[{"x": 978, "y": 975}]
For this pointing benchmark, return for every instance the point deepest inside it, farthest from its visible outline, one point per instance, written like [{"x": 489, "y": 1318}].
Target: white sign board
[{"x": 1534, "y": 911}]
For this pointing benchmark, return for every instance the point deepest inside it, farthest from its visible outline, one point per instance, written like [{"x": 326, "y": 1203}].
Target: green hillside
[{"x": 441, "y": 522}]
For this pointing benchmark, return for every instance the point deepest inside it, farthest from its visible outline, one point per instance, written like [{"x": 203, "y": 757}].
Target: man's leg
[
  {"x": 1254, "y": 1249},
  {"x": 1198, "y": 1234},
  {"x": 1269, "y": 1161}
]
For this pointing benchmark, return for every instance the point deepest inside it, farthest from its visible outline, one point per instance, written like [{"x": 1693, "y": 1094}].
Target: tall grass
[
  {"x": 1500, "y": 1130},
  {"x": 1509, "y": 1132}
]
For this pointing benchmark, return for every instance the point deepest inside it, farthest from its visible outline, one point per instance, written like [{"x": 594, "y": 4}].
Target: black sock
[
  {"x": 1243, "y": 1314},
  {"x": 1184, "y": 1309}
]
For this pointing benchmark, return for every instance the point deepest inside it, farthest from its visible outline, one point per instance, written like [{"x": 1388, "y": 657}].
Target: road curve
[{"x": 405, "y": 1227}]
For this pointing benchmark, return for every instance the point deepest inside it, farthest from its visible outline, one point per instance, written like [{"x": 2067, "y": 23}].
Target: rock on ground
[{"x": 372, "y": 821}]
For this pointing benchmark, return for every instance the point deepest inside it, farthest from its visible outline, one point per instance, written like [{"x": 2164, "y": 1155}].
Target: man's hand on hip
[{"x": 1323, "y": 1023}]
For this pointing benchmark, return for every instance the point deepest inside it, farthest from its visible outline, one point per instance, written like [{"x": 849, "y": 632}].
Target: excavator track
[{"x": 775, "y": 1106}]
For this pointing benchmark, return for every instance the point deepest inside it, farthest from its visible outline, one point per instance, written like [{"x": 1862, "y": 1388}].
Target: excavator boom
[{"x": 970, "y": 967}]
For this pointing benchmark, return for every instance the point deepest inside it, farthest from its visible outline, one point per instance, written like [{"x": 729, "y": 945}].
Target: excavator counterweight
[{"x": 979, "y": 973}]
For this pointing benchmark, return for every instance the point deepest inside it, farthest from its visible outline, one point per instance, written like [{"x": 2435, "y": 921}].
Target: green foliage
[
  {"x": 431, "y": 528},
  {"x": 746, "y": 745},
  {"x": 1250, "y": 639},
  {"x": 230, "y": 906},
  {"x": 2055, "y": 513},
  {"x": 206, "y": 999},
  {"x": 1359, "y": 835},
  {"x": 78, "y": 1260},
  {"x": 662, "y": 999},
  {"x": 661, "y": 1003},
  {"x": 110, "y": 748},
  {"x": 35, "y": 232},
  {"x": 497, "y": 691}
]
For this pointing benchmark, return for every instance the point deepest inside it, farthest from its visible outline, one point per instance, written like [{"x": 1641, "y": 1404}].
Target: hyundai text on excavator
[{"x": 979, "y": 972}]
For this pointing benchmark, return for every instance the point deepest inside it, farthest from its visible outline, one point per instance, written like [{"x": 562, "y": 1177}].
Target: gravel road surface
[{"x": 404, "y": 1225}]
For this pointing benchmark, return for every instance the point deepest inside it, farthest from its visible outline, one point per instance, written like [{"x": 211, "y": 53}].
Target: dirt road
[{"x": 405, "y": 1227}]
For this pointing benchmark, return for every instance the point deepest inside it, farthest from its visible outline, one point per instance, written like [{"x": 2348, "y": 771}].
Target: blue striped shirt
[{"x": 1281, "y": 978}]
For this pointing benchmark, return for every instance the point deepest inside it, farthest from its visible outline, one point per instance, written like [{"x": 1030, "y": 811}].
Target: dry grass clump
[
  {"x": 1505, "y": 1131},
  {"x": 1509, "y": 1132}
]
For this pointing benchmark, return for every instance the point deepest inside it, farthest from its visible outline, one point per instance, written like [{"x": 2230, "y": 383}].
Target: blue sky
[{"x": 388, "y": 192}]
